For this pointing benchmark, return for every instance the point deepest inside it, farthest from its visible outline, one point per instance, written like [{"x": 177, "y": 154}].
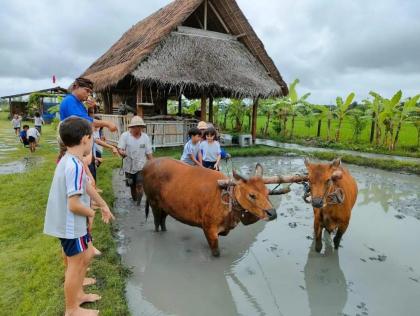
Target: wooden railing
[{"x": 161, "y": 133}]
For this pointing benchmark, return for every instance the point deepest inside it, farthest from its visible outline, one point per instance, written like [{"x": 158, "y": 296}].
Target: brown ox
[
  {"x": 204, "y": 198},
  {"x": 333, "y": 194}
]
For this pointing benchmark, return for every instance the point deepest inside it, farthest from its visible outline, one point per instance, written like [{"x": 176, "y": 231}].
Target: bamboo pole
[{"x": 285, "y": 179}]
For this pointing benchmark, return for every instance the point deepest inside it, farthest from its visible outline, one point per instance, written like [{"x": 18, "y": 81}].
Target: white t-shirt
[
  {"x": 38, "y": 121},
  {"x": 69, "y": 179},
  {"x": 16, "y": 122},
  {"x": 33, "y": 132},
  {"x": 210, "y": 151},
  {"x": 136, "y": 150}
]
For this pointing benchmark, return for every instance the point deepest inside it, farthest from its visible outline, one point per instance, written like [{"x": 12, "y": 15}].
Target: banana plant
[
  {"x": 321, "y": 112},
  {"x": 296, "y": 103},
  {"x": 388, "y": 117},
  {"x": 403, "y": 115},
  {"x": 341, "y": 111},
  {"x": 414, "y": 118},
  {"x": 267, "y": 109}
]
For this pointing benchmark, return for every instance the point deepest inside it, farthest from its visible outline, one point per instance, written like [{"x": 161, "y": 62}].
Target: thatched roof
[
  {"x": 222, "y": 66},
  {"x": 143, "y": 38}
]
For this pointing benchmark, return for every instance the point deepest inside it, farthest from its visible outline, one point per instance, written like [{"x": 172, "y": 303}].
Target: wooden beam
[
  {"x": 218, "y": 17},
  {"x": 240, "y": 35},
  {"x": 180, "y": 105},
  {"x": 203, "y": 107},
  {"x": 198, "y": 20},
  {"x": 205, "y": 14},
  {"x": 139, "y": 100},
  {"x": 254, "y": 120},
  {"x": 107, "y": 99},
  {"x": 210, "y": 109}
]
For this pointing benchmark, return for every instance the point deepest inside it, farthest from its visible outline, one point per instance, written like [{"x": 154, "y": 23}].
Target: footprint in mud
[
  {"x": 363, "y": 308},
  {"x": 293, "y": 225},
  {"x": 399, "y": 216},
  {"x": 380, "y": 258}
]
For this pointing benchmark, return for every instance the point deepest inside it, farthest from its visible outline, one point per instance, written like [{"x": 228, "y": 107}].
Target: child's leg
[
  {"x": 82, "y": 296},
  {"x": 75, "y": 272}
]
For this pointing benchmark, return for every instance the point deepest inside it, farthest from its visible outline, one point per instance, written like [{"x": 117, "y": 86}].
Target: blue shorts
[{"x": 75, "y": 246}]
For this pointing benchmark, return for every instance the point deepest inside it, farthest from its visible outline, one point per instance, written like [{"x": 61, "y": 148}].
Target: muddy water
[{"x": 270, "y": 268}]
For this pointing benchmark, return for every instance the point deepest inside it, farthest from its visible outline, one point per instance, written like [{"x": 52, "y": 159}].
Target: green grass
[
  {"x": 407, "y": 144},
  {"x": 32, "y": 273}
]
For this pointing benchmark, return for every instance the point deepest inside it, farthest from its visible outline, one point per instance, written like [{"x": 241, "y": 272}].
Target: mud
[
  {"x": 271, "y": 268},
  {"x": 20, "y": 166}
]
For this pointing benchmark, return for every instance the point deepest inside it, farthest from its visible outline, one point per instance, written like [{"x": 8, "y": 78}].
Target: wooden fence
[{"x": 161, "y": 133}]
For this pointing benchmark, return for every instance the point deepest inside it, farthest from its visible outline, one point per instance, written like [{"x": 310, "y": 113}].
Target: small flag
[{"x": 53, "y": 78}]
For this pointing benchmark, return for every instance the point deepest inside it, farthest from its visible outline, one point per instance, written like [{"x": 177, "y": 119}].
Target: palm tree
[{"x": 341, "y": 111}]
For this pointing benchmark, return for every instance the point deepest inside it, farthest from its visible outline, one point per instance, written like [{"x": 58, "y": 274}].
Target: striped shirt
[{"x": 69, "y": 179}]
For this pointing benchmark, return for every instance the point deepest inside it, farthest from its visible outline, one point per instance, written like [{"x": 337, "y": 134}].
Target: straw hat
[
  {"x": 136, "y": 121},
  {"x": 202, "y": 125}
]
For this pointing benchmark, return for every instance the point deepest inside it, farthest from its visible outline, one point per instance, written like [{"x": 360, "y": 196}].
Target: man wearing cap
[{"x": 135, "y": 147}]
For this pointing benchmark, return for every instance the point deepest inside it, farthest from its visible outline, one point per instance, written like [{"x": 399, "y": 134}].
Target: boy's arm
[
  {"x": 197, "y": 162},
  {"x": 106, "y": 212},
  {"x": 78, "y": 207}
]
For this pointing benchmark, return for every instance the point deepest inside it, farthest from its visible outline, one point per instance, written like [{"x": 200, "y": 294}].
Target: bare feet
[
  {"x": 89, "y": 298},
  {"x": 81, "y": 312},
  {"x": 89, "y": 281},
  {"x": 96, "y": 252}
]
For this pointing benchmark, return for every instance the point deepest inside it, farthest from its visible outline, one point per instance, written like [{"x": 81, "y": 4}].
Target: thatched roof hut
[{"x": 199, "y": 48}]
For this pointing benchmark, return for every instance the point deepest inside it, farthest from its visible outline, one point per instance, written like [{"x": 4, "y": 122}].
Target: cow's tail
[{"x": 147, "y": 208}]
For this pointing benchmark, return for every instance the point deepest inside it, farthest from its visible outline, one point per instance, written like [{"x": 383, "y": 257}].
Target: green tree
[
  {"x": 267, "y": 109},
  {"x": 388, "y": 117},
  {"x": 359, "y": 119},
  {"x": 321, "y": 112},
  {"x": 341, "y": 111},
  {"x": 237, "y": 111},
  {"x": 403, "y": 115}
]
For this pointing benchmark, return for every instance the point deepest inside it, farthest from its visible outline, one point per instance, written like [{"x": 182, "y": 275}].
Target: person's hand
[
  {"x": 106, "y": 214},
  {"x": 216, "y": 167},
  {"x": 112, "y": 127},
  {"x": 90, "y": 103},
  {"x": 115, "y": 151}
]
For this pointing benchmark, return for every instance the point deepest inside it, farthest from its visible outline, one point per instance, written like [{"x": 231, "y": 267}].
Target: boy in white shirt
[
  {"x": 67, "y": 210},
  {"x": 136, "y": 149},
  {"x": 38, "y": 122},
  {"x": 33, "y": 137}
]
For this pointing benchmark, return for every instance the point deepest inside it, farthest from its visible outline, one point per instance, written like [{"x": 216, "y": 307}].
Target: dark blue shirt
[
  {"x": 22, "y": 134},
  {"x": 71, "y": 106}
]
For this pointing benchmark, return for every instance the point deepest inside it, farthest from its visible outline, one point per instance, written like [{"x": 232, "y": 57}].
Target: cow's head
[
  {"x": 321, "y": 177},
  {"x": 252, "y": 194}
]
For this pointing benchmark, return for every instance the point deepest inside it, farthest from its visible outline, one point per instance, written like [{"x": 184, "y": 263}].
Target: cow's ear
[
  {"x": 259, "y": 170},
  {"x": 336, "y": 162},
  {"x": 238, "y": 177},
  {"x": 306, "y": 162}
]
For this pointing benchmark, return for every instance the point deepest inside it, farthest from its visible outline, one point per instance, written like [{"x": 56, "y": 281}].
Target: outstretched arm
[{"x": 94, "y": 195}]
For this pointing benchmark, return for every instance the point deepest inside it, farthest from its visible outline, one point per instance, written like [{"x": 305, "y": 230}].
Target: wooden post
[
  {"x": 180, "y": 105},
  {"x": 210, "y": 109},
  {"x": 205, "y": 14},
  {"x": 139, "y": 101},
  {"x": 203, "y": 107},
  {"x": 107, "y": 98},
  {"x": 254, "y": 120}
]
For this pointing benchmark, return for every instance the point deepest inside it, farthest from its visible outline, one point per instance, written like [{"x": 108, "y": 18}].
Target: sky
[{"x": 332, "y": 47}]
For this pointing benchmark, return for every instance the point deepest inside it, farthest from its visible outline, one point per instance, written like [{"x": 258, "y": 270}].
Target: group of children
[
  {"x": 28, "y": 136},
  {"x": 202, "y": 149}
]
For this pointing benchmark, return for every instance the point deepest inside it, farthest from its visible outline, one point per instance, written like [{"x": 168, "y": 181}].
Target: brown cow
[
  {"x": 204, "y": 198},
  {"x": 333, "y": 193}
]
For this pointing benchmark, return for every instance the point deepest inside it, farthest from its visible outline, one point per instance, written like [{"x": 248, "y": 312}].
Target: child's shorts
[
  {"x": 31, "y": 139},
  {"x": 75, "y": 246}
]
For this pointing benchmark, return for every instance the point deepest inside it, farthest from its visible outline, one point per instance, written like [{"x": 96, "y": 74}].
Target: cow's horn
[
  {"x": 238, "y": 177},
  {"x": 259, "y": 171}
]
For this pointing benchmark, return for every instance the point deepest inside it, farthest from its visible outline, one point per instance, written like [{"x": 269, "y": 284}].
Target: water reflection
[{"x": 325, "y": 281}]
